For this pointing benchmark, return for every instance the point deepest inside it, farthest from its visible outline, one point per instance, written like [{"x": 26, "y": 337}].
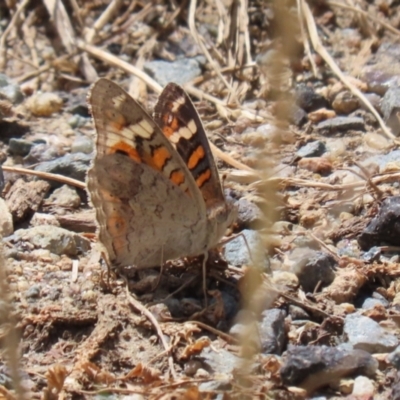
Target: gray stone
[
  {"x": 10, "y": 90},
  {"x": 312, "y": 149},
  {"x": 57, "y": 240},
  {"x": 395, "y": 392},
  {"x": 44, "y": 219},
  {"x": 380, "y": 81},
  {"x": 297, "y": 116},
  {"x": 313, "y": 367},
  {"x": 370, "y": 302},
  {"x": 384, "y": 228},
  {"x": 42, "y": 152},
  {"x": 71, "y": 165},
  {"x": 76, "y": 121},
  {"x": 394, "y": 358},
  {"x": 382, "y": 160},
  {"x": 390, "y": 108},
  {"x": 180, "y": 71},
  {"x": 2, "y": 182},
  {"x": 236, "y": 251},
  {"x": 222, "y": 361},
  {"x": 249, "y": 214},
  {"x": 373, "y": 254},
  {"x": 313, "y": 267},
  {"x": 82, "y": 144},
  {"x": 374, "y": 99},
  {"x": 19, "y": 147},
  {"x": 308, "y": 99},
  {"x": 366, "y": 334},
  {"x": 341, "y": 125},
  {"x": 65, "y": 196},
  {"x": 33, "y": 292},
  {"x": 272, "y": 331}
]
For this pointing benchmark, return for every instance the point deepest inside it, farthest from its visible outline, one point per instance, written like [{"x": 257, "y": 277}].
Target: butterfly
[{"x": 153, "y": 181}]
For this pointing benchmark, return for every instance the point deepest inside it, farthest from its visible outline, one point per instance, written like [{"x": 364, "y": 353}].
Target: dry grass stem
[{"x": 199, "y": 41}]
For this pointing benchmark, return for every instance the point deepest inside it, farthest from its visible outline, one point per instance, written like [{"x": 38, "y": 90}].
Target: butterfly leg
[{"x": 161, "y": 270}]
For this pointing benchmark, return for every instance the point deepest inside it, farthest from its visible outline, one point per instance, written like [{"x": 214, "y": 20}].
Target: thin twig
[
  {"x": 225, "y": 336},
  {"x": 46, "y": 175},
  {"x": 367, "y": 176},
  {"x": 116, "y": 62},
  {"x": 142, "y": 309},
  {"x": 306, "y": 44}
]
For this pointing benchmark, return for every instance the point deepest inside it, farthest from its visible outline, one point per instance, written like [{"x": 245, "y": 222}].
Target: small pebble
[
  {"x": 10, "y": 90},
  {"x": 345, "y": 103},
  {"x": 56, "y": 240},
  {"x": 272, "y": 331},
  {"x": 341, "y": 125},
  {"x": 366, "y": 334},
  {"x": 65, "y": 196},
  {"x": 308, "y": 99},
  {"x": 363, "y": 388},
  {"x": 318, "y": 165},
  {"x": 180, "y": 71},
  {"x": 44, "y": 104},
  {"x": 376, "y": 141},
  {"x": 76, "y": 121},
  {"x": 82, "y": 144},
  {"x": 312, "y": 149},
  {"x": 19, "y": 147}
]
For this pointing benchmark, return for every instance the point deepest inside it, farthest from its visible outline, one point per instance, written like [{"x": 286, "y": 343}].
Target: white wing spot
[
  {"x": 126, "y": 133},
  {"x": 186, "y": 133},
  {"x": 146, "y": 125},
  {"x": 174, "y": 138},
  {"x": 177, "y": 103},
  {"x": 118, "y": 100},
  {"x": 113, "y": 138},
  {"x": 192, "y": 126},
  {"x": 142, "y": 129}
]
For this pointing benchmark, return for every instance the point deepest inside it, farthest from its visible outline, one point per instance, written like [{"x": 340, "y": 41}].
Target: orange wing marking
[
  {"x": 195, "y": 157},
  {"x": 127, "y": 149},
  {"x": 177, "y": 177},
  {"x": 203, "y": 178},
  {"x": 160, "y": 157},
  {"x": 170, "y": 125}
]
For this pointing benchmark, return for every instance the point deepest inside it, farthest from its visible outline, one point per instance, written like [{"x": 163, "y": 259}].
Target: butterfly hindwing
[{"x": 181, "y": 124}]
